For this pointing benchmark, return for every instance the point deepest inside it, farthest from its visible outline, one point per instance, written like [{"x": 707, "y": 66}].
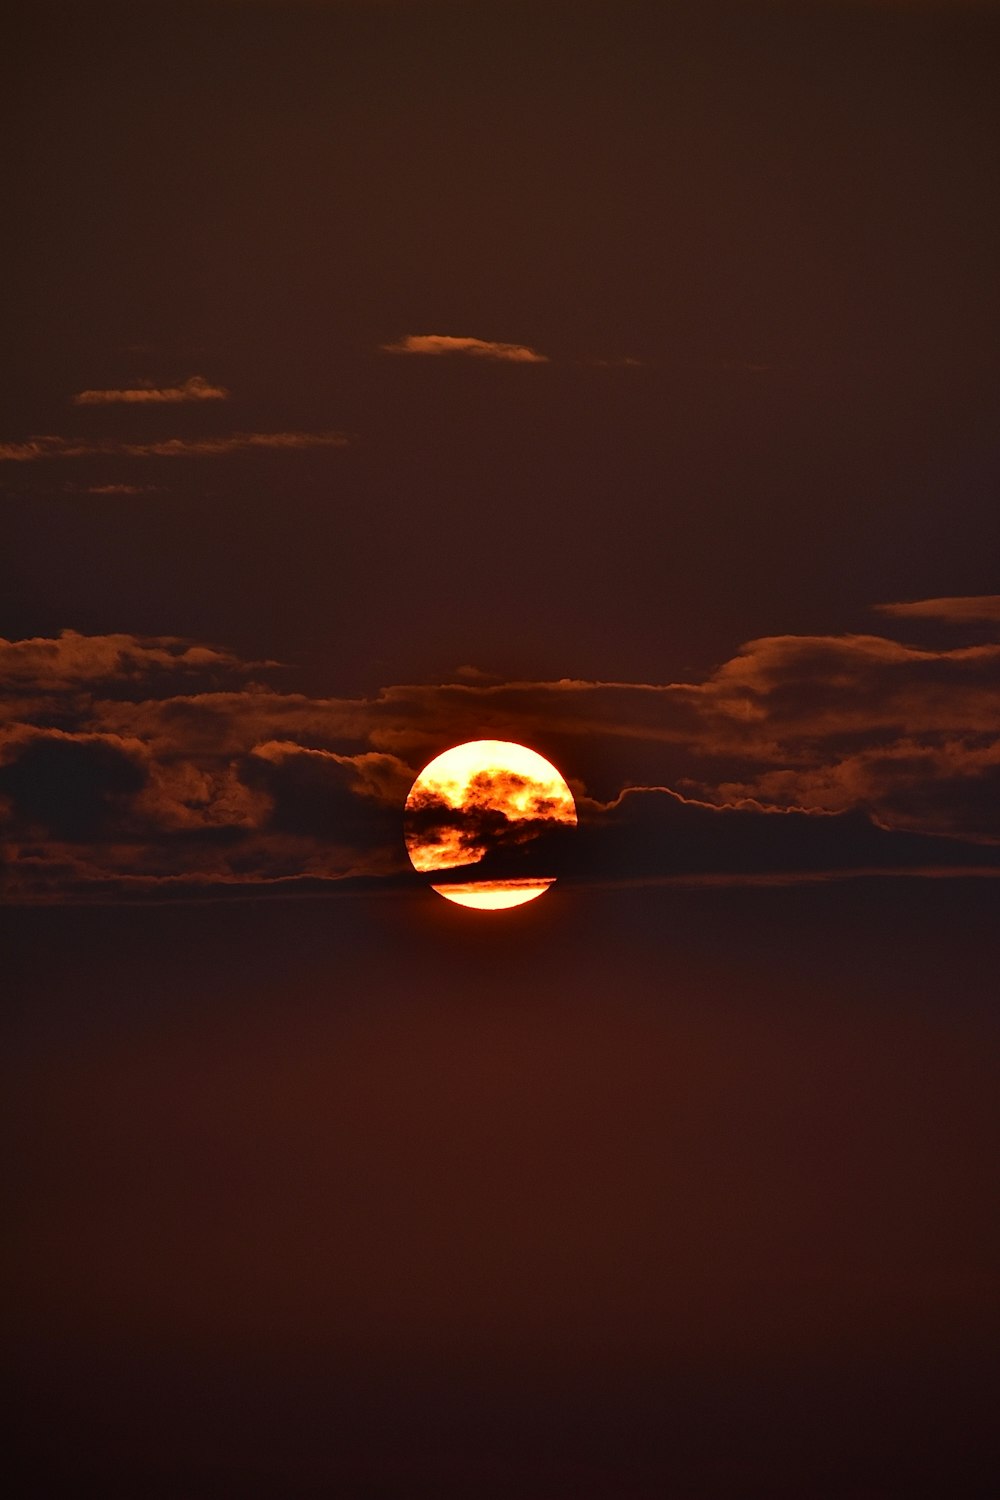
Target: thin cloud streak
[
  {"x": 46, "y": 447},
  {"x": 195, "y": 388},
  {"x": 441, "y": 343},
  {"x": 72, "y": 661},
  {"x": 961, "y": 610},
  {"x": 121, "y": 489}
]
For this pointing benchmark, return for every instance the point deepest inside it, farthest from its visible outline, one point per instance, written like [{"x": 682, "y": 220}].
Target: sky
[{"x": 619, "y": 380}]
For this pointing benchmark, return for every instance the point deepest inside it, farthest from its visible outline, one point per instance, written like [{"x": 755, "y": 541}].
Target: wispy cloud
[
  {"x": 614, "y": 362},
  {"x": 71, "y": 661},
  {"x": 441, "y": 343},
  {"x": 961, "y": 610},
  {"x": 195, "y": 388},
  {"x": 36, "y": 448},
  {"x": 120, "y": 489}
]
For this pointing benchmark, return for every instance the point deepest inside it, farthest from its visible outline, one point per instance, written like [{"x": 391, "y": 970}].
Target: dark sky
[
  {"x": 786, "y": 213},
  {"x": 620, "y": 379}
]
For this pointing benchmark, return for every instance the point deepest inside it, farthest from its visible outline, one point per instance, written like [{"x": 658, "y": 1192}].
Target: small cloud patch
[
  {"x": 195, "y": 388},
  {"x": 960, "y": 610},
  {"x": 441, "y": 343}
]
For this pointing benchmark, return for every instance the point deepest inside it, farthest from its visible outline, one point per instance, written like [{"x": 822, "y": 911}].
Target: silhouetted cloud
[
  {"x": 195, "y": 388},
  {"x": 37, "y": 448},
  {"x": 153, "y": 759},
  {"x": 440, "y": 343},
  {"x": 650, "y": 833},
  {"x": 70, "y": 786},
  {"x": 440, "y": 834}
]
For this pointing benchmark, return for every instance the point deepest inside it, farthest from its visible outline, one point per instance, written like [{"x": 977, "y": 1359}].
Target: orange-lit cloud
[
  {"x": 70, "y": 661},
  {"x": 195, "y": 388},
  {"x": 940, "y": 785},
  {"x": 48, "y": 446},
  {"x": 441, "y": 343},
  {"x": 960, "y": 610},
  {"x": 142, "y": 759}
]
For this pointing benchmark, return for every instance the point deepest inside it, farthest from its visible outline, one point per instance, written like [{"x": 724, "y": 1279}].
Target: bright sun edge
[{"x": 493, "y": 895}]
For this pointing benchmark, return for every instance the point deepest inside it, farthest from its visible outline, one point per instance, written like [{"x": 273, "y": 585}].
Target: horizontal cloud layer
[
  {"x": 37, "y": 448},
  {"x": 195, "y": 388},
  {"x": 135, "y": 763}
]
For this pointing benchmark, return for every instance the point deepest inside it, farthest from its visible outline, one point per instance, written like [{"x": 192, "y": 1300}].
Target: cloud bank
[{"x": 156, "y": 765}]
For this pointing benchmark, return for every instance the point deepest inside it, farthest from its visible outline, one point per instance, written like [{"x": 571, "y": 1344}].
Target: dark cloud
[
  {"x": 350, "y": 803},
  {"x": 652, "y": 833},
  {"x": 434, "y": 828},
  {"x": 74, "y": 788},
  {"x": 798, "y": 755}
]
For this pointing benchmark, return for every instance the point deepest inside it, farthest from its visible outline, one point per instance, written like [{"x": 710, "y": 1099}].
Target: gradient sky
[{"x": 619, "y": 379}]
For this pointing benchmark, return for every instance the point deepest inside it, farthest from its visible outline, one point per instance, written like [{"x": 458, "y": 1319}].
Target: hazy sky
[{"x": 619, "y": 379}]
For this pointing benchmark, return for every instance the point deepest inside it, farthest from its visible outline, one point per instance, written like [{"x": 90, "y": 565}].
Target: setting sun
[{"x": 476, "y": 798}]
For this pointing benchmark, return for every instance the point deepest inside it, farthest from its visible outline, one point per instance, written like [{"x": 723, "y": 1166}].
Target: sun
[{"x": 481, "y": 799}]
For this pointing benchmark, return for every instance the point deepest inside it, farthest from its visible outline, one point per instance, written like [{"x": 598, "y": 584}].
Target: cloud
[
  {"x": 807, "y": 688},
  {"x": 69, "y": 661},
  {"x": 121, "y": 489},
  {"x": 440, "y": 343},
  {"x": 958, "y": 610},
  {"x": 800, "y": 755},
  {"x": 195, "y": 388},
  {"x": 948, "y": 787},
  {"x": 777, "y": 697},
  {"x": 614, "y": 362},
  {"x": 351, "y": 804},
  {"x": 651, "y": 833},
  {"x": 101, "y": 814},
  {"x": 69, "y": 786},
  {"x": 45, "y": 447},
  {"x": 793, "y": 703},
  {"x": 440, "y": 835}
]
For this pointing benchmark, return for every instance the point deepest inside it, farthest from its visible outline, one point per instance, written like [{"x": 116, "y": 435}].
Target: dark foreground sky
[
  {"x": 623, "y": 1194},
  {"x": 622, "y": 380}
]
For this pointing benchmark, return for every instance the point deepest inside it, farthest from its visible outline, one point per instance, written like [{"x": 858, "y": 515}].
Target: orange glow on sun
[{"x": 470, "y": 798}]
